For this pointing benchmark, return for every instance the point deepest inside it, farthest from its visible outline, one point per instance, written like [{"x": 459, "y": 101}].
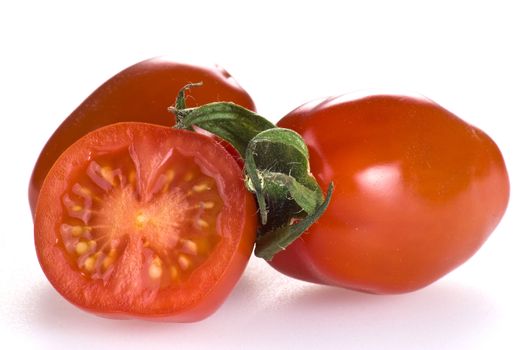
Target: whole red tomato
[
  {"x": 141, "y": 93},
  {"x": 142, "y": 220},
  {"x": 418, "y": 191}
]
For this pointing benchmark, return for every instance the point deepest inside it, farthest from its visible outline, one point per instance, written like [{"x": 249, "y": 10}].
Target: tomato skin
[
  {"x": 139, "y": 93},
  {"x": 208, "y": 285},
  {"x": 417, "y": 192}
]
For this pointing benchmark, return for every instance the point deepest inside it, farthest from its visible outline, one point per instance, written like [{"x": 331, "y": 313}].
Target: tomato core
[{"x": 170, "y": 218}]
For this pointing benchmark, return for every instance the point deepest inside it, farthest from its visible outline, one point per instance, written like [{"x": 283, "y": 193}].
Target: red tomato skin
[
  {"x": 238, "y": 221},
  {"x": 417, "y": 192},
  {"x": 139, "y": 93}
]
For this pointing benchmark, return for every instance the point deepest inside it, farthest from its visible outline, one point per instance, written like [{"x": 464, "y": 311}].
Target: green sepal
[
  {"x": 280, "y": 238},
  {"x": 233, "y": 123},
  {"x": 276, "y": 169},
  {"x": 276, "y": 162}
]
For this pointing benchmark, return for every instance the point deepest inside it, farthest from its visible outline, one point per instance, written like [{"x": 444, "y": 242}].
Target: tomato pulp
[
  {"x": 145, "y": 221},
  {"x": 140, "y": 93},
  {"x": 418, "y": 191}
]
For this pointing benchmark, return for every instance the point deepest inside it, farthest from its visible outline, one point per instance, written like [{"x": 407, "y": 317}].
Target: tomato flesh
[
  {"x": 146, "y": 221},
  {"x": 417, "y": 192}
]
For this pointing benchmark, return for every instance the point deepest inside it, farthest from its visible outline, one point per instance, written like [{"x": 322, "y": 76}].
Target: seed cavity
[
  {"x": 74, "y": 231},
  {"x": 169, "y": 174},
  {"x": 169, "y": 177},
  {"x": 132, "y": 177},
  {"x": 188, "y": 176},
  {"x": 174, "y": 273},
  {"x": 107, "y": 174},
  {"x": 84, "y": 191},
  {"x": 108, "y": 261}
]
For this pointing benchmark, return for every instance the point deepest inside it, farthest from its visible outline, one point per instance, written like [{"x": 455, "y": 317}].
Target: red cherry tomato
[
  {"x": 139, "y": 93},
  {"x": 417, "y": 193},
  {"x": 145, "y": 221}
]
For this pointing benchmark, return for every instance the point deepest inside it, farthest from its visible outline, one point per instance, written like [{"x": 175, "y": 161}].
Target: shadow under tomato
[
  {"x": 271, "y": 310},
  {"x": 440, "y": 316},
  {"x": 54, "y": 311},
  {"x": 50, "y": 310},
  {"x": 63, "y": 323}
]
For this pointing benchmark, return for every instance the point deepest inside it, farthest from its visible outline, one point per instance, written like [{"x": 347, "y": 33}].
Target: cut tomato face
[{"x": 142, "y": 220}]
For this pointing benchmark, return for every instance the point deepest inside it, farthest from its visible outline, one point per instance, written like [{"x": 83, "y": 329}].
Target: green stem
[
  {"x": 231, "y": 122},
  {"x": 276, "y": 169}
]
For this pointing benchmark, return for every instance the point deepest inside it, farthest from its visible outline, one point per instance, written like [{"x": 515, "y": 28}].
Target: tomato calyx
[{"x": 276, "y": 169}]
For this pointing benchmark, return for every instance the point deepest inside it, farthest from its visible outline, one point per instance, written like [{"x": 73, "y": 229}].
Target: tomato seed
[
  {"x": 81, "y": 248},
  {"x": 89, "y": 263},
  {"x": 200, "y": 188},
  {"x": 155, "y": 269},
  {"x": 202, "y": 223},
  {"x": 189, "y": 247},
  {"x": 184, "y": 262},
  {"x": 208, "y": 205}
]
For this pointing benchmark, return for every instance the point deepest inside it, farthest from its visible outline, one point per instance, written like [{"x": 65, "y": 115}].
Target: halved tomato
[{"x": 145, "y": 221}]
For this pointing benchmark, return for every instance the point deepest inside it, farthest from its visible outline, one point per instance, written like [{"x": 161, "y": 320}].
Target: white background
[{"x": 467, "y": 56}]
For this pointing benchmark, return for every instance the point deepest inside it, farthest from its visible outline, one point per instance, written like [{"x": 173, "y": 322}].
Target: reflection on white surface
[
  {"x": 380, "y": 180},
  {"x": 287, "y": 312}
]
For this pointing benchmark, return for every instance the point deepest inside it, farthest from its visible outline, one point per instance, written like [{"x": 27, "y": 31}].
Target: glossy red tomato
[
  {"x": 145, "y": 221},
  {"x": 139, "y": 93},
  {"x": 418, "y": 191}
]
